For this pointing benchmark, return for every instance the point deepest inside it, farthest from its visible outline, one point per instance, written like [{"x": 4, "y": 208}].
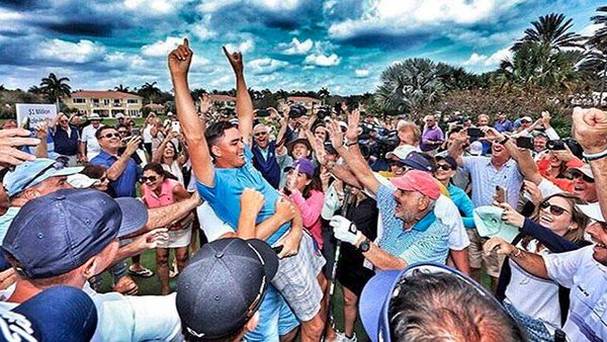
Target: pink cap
[{"x": 419, "y": 181}]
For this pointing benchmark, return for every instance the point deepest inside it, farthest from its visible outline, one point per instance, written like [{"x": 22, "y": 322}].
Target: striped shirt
[{"x": 485, "y": 178}]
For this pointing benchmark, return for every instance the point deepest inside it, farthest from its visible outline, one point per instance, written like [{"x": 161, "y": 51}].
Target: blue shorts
[{"x": 275, "y": 318}]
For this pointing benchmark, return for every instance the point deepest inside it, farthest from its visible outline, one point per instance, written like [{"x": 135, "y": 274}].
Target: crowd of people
[{"x": 260, "y": 214}]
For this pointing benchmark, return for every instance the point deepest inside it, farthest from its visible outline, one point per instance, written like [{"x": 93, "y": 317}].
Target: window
[
  {"x": 106, "y": 102},
  {"x": 116, "y": 102},
  {"x": 96, "y": 101},
  {"x": 79, "y": 100},
  {"x": 132, "y": 101}
]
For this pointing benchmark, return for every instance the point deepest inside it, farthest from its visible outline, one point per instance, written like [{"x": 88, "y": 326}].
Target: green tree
[
  {"x": 122, "y": 89},
  {"x": 55, "y": 88},
  {"x": 149, "y": 91},
  {"x": 551, "y": 30},
  {"x": 410, "y": 86}
]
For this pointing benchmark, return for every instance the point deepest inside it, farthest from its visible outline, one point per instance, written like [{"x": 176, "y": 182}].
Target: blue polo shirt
[
  {"x": 426, "y": 241},
  {"x": 124, "y": 186},
  {"x": 224, "y": 196}
]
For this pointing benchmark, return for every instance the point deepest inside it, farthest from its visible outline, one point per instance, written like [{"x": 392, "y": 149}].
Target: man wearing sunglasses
[
  {"x": 122, "y": 170},
  {"x": 265, "y": 158}
]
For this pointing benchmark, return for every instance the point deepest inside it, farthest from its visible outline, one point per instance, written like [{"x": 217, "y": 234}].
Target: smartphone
[
  {"x": 278, "y": 249},
  {"x": 524, "y": 142},
  {"x": 475, "y": 132},
  {"x": 556, "y": 145},
  {"x": 263, "y": 112},
  {"x": 175, "y": 127},
  {"x": 500, "y": 194}
]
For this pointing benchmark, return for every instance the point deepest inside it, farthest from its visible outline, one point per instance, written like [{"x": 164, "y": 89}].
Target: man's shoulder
[{"x": 101, "y": 159}]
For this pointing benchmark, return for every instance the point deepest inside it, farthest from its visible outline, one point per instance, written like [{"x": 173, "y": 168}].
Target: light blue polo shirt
[
  {"x": 485, "y": 177},
  {"x": 224, "y": 196},
  {"x": 426, "y": 241}
]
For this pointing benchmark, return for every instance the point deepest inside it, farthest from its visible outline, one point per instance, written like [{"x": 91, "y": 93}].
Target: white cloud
[
  {"x": 161, "y": 48},
  {"x": 361, "y": 73},
  {"x": 203, "y": 32},
  {"x": 119, "y": 59},
  {"x": 401, "y": 17},
  {"x": 296, "y": 47},
  {"x": 265, "y": 66},
  {"x": 60, "y": 50},
  {"x": 223, "y": 81},
  {"x": 245, "y": 46},
  {"x": 210, "y": 6},
  {"x": 590, "y": 30},
  {"x": 322, "y": 60},
  {"x": 9, "y": 15},
  {"x": 152, "y": 6},
  {"x": 484, "y": 61}
]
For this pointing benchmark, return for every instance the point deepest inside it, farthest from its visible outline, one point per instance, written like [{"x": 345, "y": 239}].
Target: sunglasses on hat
[{"x": 575, "y": 174}]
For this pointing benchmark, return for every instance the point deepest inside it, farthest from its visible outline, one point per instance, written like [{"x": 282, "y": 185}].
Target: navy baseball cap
[
  {"x": 59, "y": 313},
  {"x": 374, "y": 305},
  {"x": 222, "y": 287},
  {"x": 34, "y": 172},
  {"x": 57, "y": 233},
  {"x": 417, "y": 161}
]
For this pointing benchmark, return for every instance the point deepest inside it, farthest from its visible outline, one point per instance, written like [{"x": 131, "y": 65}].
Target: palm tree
[
  {"x": 551, "y": 30},
  {"x": 597, "y": 57},
  {"x": 323, "y": 94},
  {"x": 149, "y": 91},
  {"x": 55, "y": 88},
  {"x": 410, "y": 86},
  {"x": 121, "y": 88}
]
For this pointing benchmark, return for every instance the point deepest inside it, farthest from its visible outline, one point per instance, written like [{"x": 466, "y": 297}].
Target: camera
[{"x": 297, "y": 111}]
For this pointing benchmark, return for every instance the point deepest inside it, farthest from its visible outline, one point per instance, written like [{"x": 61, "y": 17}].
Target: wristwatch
[{"x": 364, "y": 246}]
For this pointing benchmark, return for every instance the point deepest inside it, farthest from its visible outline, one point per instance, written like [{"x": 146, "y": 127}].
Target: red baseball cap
[{"x": 420, "y": 181}]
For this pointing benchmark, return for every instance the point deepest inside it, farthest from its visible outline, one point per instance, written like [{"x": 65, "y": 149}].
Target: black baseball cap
[
  {"x": 57, "y": 233},
  {"x": 223, "y": 286}
]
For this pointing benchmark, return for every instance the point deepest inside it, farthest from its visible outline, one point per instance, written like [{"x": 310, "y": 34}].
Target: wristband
[
  {"x": 355, "y": 142},
  {"x": 594, "y": 156},
  {"x": 505, "y": 140},
  {"x": 517, "y": 253}
]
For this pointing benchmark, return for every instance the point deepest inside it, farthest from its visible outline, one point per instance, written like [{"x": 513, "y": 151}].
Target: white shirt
[
  {"x": 212, "y": 226},
  {"x": 587, "y": 279},
  {"x": 92, "y": 145},
  {"x": 147, "y": 134},
  {"x": 532, "y": 295},
  {"x": 129, "y": 318}
]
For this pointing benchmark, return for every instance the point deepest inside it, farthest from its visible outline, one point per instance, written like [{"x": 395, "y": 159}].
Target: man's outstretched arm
[
  {"x": 244, "y": 105},
  {"x": 192, "y": 127}
]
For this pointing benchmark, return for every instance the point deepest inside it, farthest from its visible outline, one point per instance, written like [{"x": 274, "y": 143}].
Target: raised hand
[
  {"x": 590, "y": 129},
  {"x": 205, "y": 103},
  {"x": 533, "y": 191},
  {"x": 345, "y": 230},
  {"x": 9, "y": 140},
  {"x": 511, "y": 216},
  {"x": 235, "y": 59},
  {"x": 353, "y": 122},
  {"x": 251, "y": 201},
  {"x": 491, "y": 134},
  {"x": 180, "y": 59},
  {"x": 132, "y": 145},
  {"x": 335, "y": 134}
]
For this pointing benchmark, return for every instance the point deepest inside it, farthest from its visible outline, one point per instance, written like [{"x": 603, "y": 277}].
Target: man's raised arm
[
  {"x": 192, "y": 127},
  {"x": 244, "y": 105}
]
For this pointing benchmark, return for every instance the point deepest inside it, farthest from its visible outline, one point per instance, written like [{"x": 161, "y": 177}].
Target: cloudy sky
[{"x": 292, "y": 44}]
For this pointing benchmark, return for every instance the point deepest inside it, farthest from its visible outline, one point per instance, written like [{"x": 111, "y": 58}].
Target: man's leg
[
  {"x": 475, "y": 254},
  {"x": 350, "y": 312}
]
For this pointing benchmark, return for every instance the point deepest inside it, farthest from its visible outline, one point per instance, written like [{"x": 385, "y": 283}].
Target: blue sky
[{"x": 289, "y": 44}]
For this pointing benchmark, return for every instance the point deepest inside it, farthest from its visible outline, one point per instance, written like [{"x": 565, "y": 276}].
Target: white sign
[{"x": 34, "y": 114}]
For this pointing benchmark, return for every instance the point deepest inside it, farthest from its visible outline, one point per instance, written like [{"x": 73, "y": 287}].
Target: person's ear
[
  {"x": 90, "y": 267},
  {"x": 31, "y": 193},
  {"x": 216, "y": 151},
  {"x": 308, "y": 182}
]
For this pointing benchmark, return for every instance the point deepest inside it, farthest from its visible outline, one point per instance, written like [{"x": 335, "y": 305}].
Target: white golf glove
[{"x": 345, "y": 230}]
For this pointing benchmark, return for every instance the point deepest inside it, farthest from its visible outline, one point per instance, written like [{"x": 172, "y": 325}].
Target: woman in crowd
[
  {"x": 148, "y": 126},
  {"x": 558, "y": 226},
  {"x": 305, "y": 190},
  {"x": 98, "y": 172},
  {"x": 554, "y": 166},
  {"x": 160, "y": 188},
  {"x": 171, "y": 161}
]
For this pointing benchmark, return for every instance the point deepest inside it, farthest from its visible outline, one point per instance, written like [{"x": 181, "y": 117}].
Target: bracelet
[
  {"x": 517, "y": 253},
  {"x": 355, "y": 142},
  {"x": 594, "y": 156}
]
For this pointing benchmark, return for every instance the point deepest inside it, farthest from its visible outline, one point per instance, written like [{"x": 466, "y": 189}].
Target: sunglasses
[
  {"x": 259, "y": 134},
  {"x": 575, "y": 174},
  {"x": 145, "y": 179},
  {"x": 554, "y": 209},
  {"x": 444, "y": 167},
  {"x": 111, "y": 135},
  {"x": 57, "y": 165}
]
